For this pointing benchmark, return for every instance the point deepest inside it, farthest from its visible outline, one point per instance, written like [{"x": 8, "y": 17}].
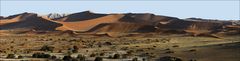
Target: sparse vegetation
[
  {"x": 11, "y": 56},
  {"x": 116, "y": 56},
  {"x": 135, "y": 59},
  {"x": 169, "y": 58},
  {"x": 53, "y": 57},
  {"x": 126, "y": 48},
  {"x": 41, "y": 55},
  {"x": 67, "y": 58},
  {"x": 20, "y": 57},
  {"x": 75, "y": 49},
  {"x": 92, "y": 55},
  {"x": 81, "y": 57},
  {"x": 169, "y": 52},
  {"x": 47, "y": 48},
  {"x": 98, "y": 59}
]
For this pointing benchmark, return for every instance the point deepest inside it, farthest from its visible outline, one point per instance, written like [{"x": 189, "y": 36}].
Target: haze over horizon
[{"x": 223, "y": 10}]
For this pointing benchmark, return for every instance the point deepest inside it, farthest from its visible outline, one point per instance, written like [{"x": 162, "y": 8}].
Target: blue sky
[{"x": 228, "y": 10}]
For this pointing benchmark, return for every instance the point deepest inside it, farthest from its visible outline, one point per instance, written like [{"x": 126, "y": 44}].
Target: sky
[{"x": 224, "y": 10}]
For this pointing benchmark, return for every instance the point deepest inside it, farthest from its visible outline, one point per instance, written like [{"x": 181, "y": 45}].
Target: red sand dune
[
  {"x": 88, "y": 24},
  {"x": 81, "y": 16},
  {"x": 113, "y": 24},
  {"x": 28, "y": 21}
]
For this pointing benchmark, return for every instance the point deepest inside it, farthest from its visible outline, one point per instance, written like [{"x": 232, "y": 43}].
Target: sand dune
[
  {"x": 81, "y": 16},
  {"x": 88, "y": 24},
  {"x": 28, "y": 21},
  {"x": 119, "y": 23}
]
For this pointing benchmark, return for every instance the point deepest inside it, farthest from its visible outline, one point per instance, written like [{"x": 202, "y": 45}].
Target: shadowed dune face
[
  {"x": 145, "y": 18},
  {"x": 88, "y": 24},
  {"x": 123, "y": 27},
  {"x": 28, "y": 21},
  {"x": 194, "y": 27},
  {"x": 1, "y": 17},
  {"x": 86, "y": 15}
]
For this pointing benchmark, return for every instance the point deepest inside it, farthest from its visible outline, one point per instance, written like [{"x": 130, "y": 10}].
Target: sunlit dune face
[{"x": 88, "y": 24}]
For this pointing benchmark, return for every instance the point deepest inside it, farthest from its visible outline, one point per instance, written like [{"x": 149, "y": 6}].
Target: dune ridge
[{"x": 89, "y": 22}]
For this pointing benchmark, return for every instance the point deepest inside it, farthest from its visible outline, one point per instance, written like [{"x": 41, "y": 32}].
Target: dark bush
[
  {"x": 175, "y": 46},
  {"x": 144, "y": 59},
  {"x": 92, "y": 55},
  {"x": 67, "y": 58},
  {"x": 107, "y": 43},
  {"x": 11, "y": 56},
  {"x": 135, "y": 59},
  {"x": 116, "y": 56},
  {"x": 58, "y": 60},
  {"x": 125, "y": 56},
  {"x": 19, "y": 57},
  {"x": 47, "y": 48},
  {"x": 102, "y": 54},
  {"x": 53, "y": 57},
  {"x": 81, "y": 57},
  {"x": 41, "y": 55},
  {"x": 192, "y": 50},
  {"x": 75, "y": 49},
  {"x": 110, "y": 57},
  {"x": 75, "y": 59},
  {"x": 98, "y": 59},
  {"x": 169, "y": 58},
  {"x": 169, "y": 52}
]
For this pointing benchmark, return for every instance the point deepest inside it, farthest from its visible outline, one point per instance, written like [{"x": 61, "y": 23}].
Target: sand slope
[
  {"x": 81, "y": 16},
  {"x": 88, "y": 24},
  {"x": 28, "y": 21},
  {"x": 120, "y": 23}
]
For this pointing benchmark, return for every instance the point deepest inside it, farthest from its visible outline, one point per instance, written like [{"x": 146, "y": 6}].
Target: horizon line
[
  {"x": 39, "y": 14},
  {"x": 119, "y": 0}
]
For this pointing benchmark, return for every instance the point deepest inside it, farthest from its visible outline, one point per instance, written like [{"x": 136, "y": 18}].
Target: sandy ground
[{"x": 151, "y": 48}]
